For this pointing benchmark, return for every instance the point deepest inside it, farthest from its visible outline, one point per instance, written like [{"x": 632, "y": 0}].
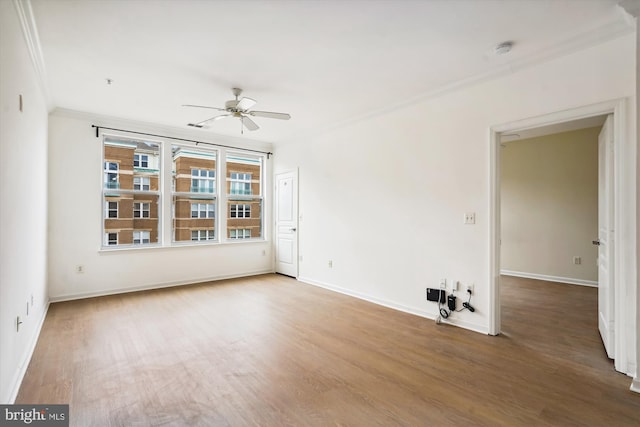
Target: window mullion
[
  {"x": 166, "y": 201},
  {"x": 221, "y": 182}
]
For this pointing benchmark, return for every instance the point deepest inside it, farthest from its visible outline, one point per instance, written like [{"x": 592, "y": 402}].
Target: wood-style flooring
[{"x": 271, "y": 351}]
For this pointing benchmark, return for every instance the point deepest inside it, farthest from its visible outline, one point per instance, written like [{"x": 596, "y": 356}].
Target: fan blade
[
  {"x": 249, "y": 124},
  {"x": 245, "y": 103},
  {"x": 203, "y": 106},
  {"x": 270, "y": 115},
  {"x": 201, "y": 124}
]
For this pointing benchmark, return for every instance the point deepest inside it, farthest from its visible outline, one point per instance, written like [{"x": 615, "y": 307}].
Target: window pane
[
  {"x": 194, "y": 198},
  {"x": 132, "y": 175},
  {"x": 244, "y": 189}
]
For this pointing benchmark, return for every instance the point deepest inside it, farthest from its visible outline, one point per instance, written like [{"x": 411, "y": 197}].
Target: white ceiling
[{"x": 325, "y": 62}]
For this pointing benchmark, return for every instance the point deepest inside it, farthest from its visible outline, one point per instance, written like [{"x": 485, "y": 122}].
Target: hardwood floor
[{"x": 271, "y": 351}]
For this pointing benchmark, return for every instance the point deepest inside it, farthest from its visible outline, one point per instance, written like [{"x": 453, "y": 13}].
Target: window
[
  {"x": 240, "y": 183},
  {"x": 194, "y": 194},
  {"x": 142, "y": 183},
  {"x": 140, "y": 160},
  {"x": 141, "y": 237},
  {"x": 111, "y": 210},
  {"x": 111, "y": 175},
  {"x": 131, "y": 198},
  {"x": 240, "y": 233},
  {"x": 202, "y": 210},
  {"x": 240, "y": 211},
  {"x": 197, "y": 235},
  {"x": 137, "y": 191},
  {"x": 203, "y": 181},
  {"x": 244, "y": 195},
  {"x": 111, "y": 239},
  {"x": 141, "y": 210}
]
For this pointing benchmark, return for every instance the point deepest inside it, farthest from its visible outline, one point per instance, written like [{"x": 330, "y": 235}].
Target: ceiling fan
[{"x": 240, "y": 108}]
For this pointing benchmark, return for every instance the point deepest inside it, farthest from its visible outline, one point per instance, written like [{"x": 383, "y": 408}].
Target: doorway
[
  {"x": 622, "y": 342},
  {"x": 550, "y": 217}
]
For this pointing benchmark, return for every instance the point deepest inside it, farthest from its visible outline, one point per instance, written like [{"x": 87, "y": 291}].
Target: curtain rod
[{"x": 268, "y": 153}]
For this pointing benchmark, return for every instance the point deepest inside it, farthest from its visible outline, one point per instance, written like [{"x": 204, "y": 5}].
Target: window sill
[{"x": 144, "y": 248}]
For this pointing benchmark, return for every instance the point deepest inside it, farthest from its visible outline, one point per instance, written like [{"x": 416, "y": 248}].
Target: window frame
[
  {"x": 141, "y": 240},
  {"x": 236, "y": 237},
  {"x": 107, "y": 171},
  {"x": 211, "y": 189},
  {"x": 108, "y": 210},
  {"x": 141, "y": 183},
  {"x": 141, "y": 209},
  {"x": 139, "y": 160},
  {"x": 245, "y": 210},
  {"x": 203, "y": 208},
  {"x": 107, "y": 239},
  {"x": 206, "y": 233}
]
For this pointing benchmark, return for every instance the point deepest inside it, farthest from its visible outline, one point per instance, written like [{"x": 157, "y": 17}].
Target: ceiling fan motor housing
[{"x": 231, "y": 104}]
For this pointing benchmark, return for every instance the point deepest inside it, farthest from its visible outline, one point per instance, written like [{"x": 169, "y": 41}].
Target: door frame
[{"x": 623, "y": 218}]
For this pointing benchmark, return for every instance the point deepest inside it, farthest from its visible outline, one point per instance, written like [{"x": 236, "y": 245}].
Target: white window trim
[
  {"x": 143, "y": 181},
  {"x": 106, "y": 238},
  {"x": 140, "y": 156},
  {"x": 203, "y": 207},
  {"x": 244, "y": 233},
  {"x": 166, "y": 193},
  {"x": 240, "y": 208},
  {"x": 142, "y": 210},
  {"x": 206, "y": 235},
  {"x": 107, "y": 210},
  {"x": 147, "y": 233}
]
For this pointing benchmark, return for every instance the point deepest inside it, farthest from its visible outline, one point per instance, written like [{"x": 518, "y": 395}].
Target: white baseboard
[
  {"x": 395, "y": 306},
  {"x": 536, "y": 276},
  {"x": 635, "y": 385},
  {"x": 26, "y": 358},
  {"x": 105, "y": 292}
]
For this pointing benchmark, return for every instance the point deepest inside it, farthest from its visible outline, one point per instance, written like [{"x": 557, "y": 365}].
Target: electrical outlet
[
  {"x": 443, "y": 283},
  {"x": 470, "y": 218},
  {"x": 577, "y": 260},
  {"x": 330, "y": 264},
  {"x": 470, "y": 288},
  {"x": 454, "y": 285},
  {"x": 79, "y": 269}
]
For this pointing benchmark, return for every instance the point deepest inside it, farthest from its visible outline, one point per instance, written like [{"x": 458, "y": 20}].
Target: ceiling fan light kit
[{"x": 241, "y": 109}]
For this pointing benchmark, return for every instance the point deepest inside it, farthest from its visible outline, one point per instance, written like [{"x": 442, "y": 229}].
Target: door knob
[
  {"x": 292, "y": 229},
  {"x": 596, "y": 242}
]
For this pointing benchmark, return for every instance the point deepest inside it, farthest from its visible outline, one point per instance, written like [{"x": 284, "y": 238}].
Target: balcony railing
[
  {"x": 197, "y": 189},
  {"x": 112, "y": 185}
]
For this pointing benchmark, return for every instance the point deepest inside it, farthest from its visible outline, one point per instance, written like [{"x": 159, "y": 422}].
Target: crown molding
[
  {"x": 169, "y": 131},
  {"x": 606, "y": 33},
  {"x": 31, "y": 38}
]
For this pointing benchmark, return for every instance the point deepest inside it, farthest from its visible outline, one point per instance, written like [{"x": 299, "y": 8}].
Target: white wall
[
  {"x": 75, "y": 208},
  {"x": 384, "y": 197},
  {"x": 549, "y": 200},
  {"x": 23, "y": 203}
]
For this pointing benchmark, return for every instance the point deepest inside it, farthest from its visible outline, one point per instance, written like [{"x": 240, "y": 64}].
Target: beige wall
[{"x": 549, "y": 198}]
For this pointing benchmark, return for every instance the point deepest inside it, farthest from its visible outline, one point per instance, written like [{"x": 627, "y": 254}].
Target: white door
[
  {"x": 287, "y": 223},
  {"x": 606, "y": 289}
]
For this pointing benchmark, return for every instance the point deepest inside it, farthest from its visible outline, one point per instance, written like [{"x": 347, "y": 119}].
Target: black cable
[
  {"x": 443, "y": 311},
  {"x": 467, "y": 305}
]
